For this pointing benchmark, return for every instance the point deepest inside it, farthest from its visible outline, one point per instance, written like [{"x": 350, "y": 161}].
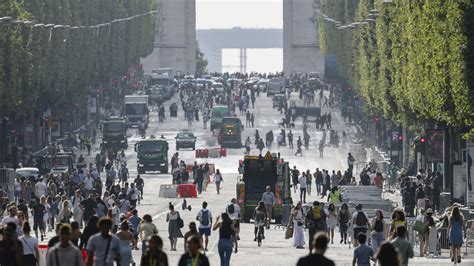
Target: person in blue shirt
[
  {"x": 363, "y": 253},
  {"x": 135, "y": 221}
]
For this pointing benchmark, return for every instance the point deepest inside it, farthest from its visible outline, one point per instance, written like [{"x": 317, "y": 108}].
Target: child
[{"x": 363, "y": 253}]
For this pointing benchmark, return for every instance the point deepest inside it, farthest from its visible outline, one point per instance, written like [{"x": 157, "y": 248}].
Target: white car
[{"x": 27, "y": 172}]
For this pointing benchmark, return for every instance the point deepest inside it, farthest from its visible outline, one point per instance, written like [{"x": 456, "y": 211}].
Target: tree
[{"x": 201, "y": 62}]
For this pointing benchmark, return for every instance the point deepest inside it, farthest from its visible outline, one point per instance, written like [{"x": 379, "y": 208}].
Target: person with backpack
[
  {"x": 315, "y": 221},
  {"x": 204, "y": 217},
  {"x": 139, "y": 184},
  {"x": 360, "y": 221},
  {"x": 233, "y": 210}
]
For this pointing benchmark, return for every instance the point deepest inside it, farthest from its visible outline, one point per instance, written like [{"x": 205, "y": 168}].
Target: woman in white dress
[
  {"x": 297, "y": 218},
  {"x": 332, "y": 221}
]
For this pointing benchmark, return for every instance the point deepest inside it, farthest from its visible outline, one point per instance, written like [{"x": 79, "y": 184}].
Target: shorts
[
  {"x": 205, "y": 231},
  {"x": 236, "y": 224},
  {"x": 38, "y": 223}
]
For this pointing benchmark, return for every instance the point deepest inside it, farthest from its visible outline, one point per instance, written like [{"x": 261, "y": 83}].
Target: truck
[
  {"x": 217, "y": 113},
  {"x": 152, "y": 155},
  {"x": 164, "y": 71},
  {"x": 231, "y": 132},
  {"x": 114, "y": 133},
  {"x": 136, "y": 109},
  {"x": 256, "y": 173},
  {"x": 276, "y": 86},
  {"x": 62, "y": 163}
]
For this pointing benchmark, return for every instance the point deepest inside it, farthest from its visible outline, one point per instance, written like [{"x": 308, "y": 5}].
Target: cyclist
[
  {"x": 233, "y": 210},
  {"x": 259, "y": 217}
]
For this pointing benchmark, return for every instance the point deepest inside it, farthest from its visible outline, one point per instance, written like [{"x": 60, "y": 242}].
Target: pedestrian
[
  {"x": 320, "y": 245},
  {"x": 363, "y": 254},
  {"x": 204, "y": 217},
  {"x": 96, "y": 253},
  {"x": 38, "y": 211},
  {"x": 294, "y": 178},
  {"x": 350, "y": 163},
  {"x": 174, "y": 231},
  {"x": 75, "y": 233},
  {"x": 268, "y": 199},
  {"x": 154, "y": 255},
  {"x": 226, "y": 233},
  {"x": 315, "y": 221},
  {"x": 147, "y": 229},
  {"x": 335, "y": 196},
  {"x": 290, "y": 140},
  {"x": 299, "y": 144},
  {"x": 133, "y": 195},
  {"x": 90, "y": 230},
  {"x": 252, "y": 120},
  {"x": 360, "y": 222},
  {"x": 64, "y": 253},
  {"x": 331, "y": 221},
  {"x": 89, "y": 206},
  {"x": 404, "y": 247},
  {"x": 420, "y": 198},
  {"x": 398, "y": 219},
  {"x": 309, "y": 181},
  {"x": 126, "y": 240},
  {"x": 423, "y": 230},
  {"x": 388, "y": 255},
  {"x": 343, "y": 221},
  {"x": 303, "y": 185},
  {"x": 377, "y": 227},
  {"x": 433, "y": 234},
  {"x": 199, "y": 178},
  {"x": 217, "y": 180},
  {"x": 233, "y": 210},
  {"x": 30, "y": 255},
  {"x": 194, "y": 256},
  {"x": 192, "y": 232},
  {"x": 260, "y": 146},
  {"x": 456, "y": 227},
  {"x": 318, "y": 176}
]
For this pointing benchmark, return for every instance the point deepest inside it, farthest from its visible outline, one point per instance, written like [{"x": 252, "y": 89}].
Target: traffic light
[{"x": 400, "y": 138}]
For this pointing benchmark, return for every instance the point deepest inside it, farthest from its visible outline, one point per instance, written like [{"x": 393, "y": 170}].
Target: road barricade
[
  {"x": 168, "y": 191},
  {"x": 187, "y": 191},
  {"x": 223, "y": 152},
  {"x": 214, "y": 153},
  {"x": 43, "y": 248},
  {"x": 204, "y": 153}
]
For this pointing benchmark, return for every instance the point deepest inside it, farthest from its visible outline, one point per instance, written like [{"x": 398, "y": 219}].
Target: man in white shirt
[
  {"x": 303, "y": 184},
  {"x": 205, "y": 221},
  {"x": 40, "y": 188},
  {"x": 233, "y": 209},
  {"x": 88, "y": 183},
  {"x": 133, "y": 194},
  {"x": 77, "y": 210}
]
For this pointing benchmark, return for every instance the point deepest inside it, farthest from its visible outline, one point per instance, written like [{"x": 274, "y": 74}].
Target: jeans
[
  {"x": 303, "y": 194},
  {"x": 225, "y": 250},
  {"x": 377, "y": 240}
]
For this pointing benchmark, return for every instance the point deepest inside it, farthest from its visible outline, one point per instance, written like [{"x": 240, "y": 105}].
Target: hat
[
  {"x": 122, "y": 215},
  {"x": 429, "y": 210}
]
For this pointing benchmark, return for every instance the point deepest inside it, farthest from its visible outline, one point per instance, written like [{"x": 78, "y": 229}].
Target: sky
[{"x": 226, "y": 14}]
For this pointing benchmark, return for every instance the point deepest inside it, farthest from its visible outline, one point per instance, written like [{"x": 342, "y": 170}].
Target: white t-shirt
[
  {"x": 303, "y": 182},
  {"x": 116, "y": 215},
  {"x": 236, "y": 214},
  {"x": 133, "y": 196},
  {"x": 29, "y": 244},
  {"x": 88, "y": 183},
  {"x": 40, "y": 189},
  {"x": 199, "y": 218}
]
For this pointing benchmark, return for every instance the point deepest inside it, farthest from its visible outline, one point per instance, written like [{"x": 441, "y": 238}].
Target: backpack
[
  {"x": 205, "y": 218},
  {"x": 231, "y": 209},
  {"x": 361, "y": 219},
  {"x": 318, "y": 214}
]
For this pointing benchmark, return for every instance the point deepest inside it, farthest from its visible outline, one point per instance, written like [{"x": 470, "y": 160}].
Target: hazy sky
[{"x": 224, "y": 14}]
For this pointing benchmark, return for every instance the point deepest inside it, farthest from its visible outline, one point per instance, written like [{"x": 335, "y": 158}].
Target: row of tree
[
  {"x": 413, "y": 64},
  {"x": 56, "y": 65}
]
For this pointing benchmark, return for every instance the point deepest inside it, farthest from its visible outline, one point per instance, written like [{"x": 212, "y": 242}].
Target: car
[
  {"x": 218, "y": 87},
  {"x": 185, "y": 139},
  {"x": 28, "y": 172}
]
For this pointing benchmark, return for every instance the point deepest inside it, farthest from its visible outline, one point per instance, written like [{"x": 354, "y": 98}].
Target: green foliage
[
  {"x": 43, "y": 67},
  {"x": 415, "y": 64},
  {"x": 201, "y": 62}
]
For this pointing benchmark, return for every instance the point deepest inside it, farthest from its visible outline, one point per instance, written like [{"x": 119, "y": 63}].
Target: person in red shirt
[{"x": 378, "y": 180}]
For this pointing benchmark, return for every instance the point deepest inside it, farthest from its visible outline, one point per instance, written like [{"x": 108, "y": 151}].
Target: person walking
[
  {"x": 363, "y": 254},
  {"x": 96, "y": 253},
  {"x": 303, "y": 185},
  {"x": 204, "y": 217},
  {"x": 297, "y": 220},
  {"x": 350, "y": 163},
  {"x": 268, "y": 199},
  {"x": 320, "y": 245},
  {"x": 146, "y": 229},
  {"x": 360, "y": 222},
  {"x": 433, "y": 234},
  {"x": 309, "y": 181},
  {"x": 154, "y": 255},
  {"x": 290, "y": 139},
  {"x": 226, "y": 232},
  {"x": 422, "y": 233},
  {"x": 404, "y": 247},
  {"x": 343, "y": 221},
  {"x": 217, "y": 180},
  {"x": 456, "y": 227},
  {"x": 299, "y": 144},
  {"x": 387, "y": 255},
  {"x": 174, "y": 231},
  {"x": 199, "y": 178},
  {"x": 126, "y": 240},
  {"x": 192, "y": 232},
  {"x": 377, "y": 227},
  {"x": 64, "y": 253},
  {"x": 194, "y": 256},
  {"x": 233, "y": 210},
  {"x": 331, "y": 221},
  {"x": 315, "y": 221},
  {"x": 30, "y": 256}
]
